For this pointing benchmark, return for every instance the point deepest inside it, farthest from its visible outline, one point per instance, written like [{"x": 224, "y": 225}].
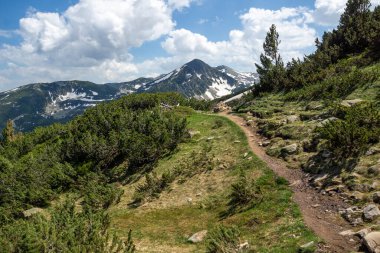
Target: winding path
[{"x": 320, "y": 212}]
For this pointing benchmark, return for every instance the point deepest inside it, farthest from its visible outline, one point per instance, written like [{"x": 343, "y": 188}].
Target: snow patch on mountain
[
  {"x": 72, "y": 96},
  {"x": 164, "y": 78}
]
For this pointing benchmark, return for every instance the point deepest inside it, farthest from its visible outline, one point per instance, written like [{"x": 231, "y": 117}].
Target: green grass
[{"x": 164, "y": 224}]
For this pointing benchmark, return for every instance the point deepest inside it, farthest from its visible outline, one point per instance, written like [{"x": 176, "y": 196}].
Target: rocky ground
[{"x": 342, "y": 208}]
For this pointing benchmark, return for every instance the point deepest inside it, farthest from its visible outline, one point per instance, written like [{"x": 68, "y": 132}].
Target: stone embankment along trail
[{"x": 320, "y": 212}]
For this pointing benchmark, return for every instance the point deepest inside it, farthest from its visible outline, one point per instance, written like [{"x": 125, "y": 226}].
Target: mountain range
[{"x": 41, "y": 104}]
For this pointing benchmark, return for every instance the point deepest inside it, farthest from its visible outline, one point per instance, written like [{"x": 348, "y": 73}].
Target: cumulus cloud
[
  {"x": 90, "y": 36},
  {"x": 327, "y": 12},
  {"x": 95, "y": 30},
  {"x": 243, "y": 47}
]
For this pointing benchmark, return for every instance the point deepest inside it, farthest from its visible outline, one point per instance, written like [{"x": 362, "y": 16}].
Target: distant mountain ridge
[{"x": 41, "y": 104}]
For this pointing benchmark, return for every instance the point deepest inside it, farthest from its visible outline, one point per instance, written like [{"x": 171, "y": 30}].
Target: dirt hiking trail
[{"x": 320, "y": 212}]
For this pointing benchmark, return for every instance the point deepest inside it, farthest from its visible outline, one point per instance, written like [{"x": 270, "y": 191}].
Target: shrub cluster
[
  {"x": 357, "y": 128},
  {"x": 109, "y": 143},
  {"x": 222, "y": 239}
]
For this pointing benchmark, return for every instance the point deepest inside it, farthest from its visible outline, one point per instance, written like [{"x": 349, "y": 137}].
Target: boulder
[
  {"x": 192, "y": 133},
  {"x": 352, "y": 215},
  {"x": 292, "y": 118},
  {"x": 307, "y": 245},
  {"x": 347, "y": 233},
  {"x": 363, "y": 232},
  {"x": 290, "y": 149},
  {"x": 372, "y": 151},
  {"x": 198, "y": 237},
  {"x": 374, "y": 170},
  {"x": 326, "y": 121},
  {"x": 265, "y": 143},
  {"x": 376, "y": 197},
  {"x": 30, "y": 212},
  {"x": 314, "y": 106},
  {"x": 370, "y": 212},
  {"x": 349, "y": 103},
  {"x": 372, "y": 242}
]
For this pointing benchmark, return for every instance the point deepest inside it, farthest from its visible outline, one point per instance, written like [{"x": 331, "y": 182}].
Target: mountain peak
[{"x": 196, "y": 63}]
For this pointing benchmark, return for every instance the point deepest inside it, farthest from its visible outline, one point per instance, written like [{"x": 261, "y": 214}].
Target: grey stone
[
  {"x": 198, "y": 237},
  {"x": 326, "y": 121},
  {"x": 372, "y": 242},
  {"x": 370, "y": 212},
  {"x": 374, "y": 170},
  {"x": 265, "y": 143},
  {"x": 192, "y": 133},
  {"x": 290, "y": 149},
  {"x": 30, "y": 212},
  {"x": 243, "y": 246},
  {"x": 363, "y": 232},
  {"x": 350, "y": 103},
  {"x": 347, "y": 233},
  {"x": 307, "y": 245},
  {"x": 314, "y": 106},
  {"x": 357, "y": 222},
  {"x": 372, "y": 151},
  {"x": 292, "y": 118}
]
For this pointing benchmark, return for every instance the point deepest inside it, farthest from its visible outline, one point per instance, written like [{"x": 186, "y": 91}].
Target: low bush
[
  {"x": 357, "y": 128},
  {"x": 332, "y": 88},
  {"x": 218, "y": 123},
  {"x": 222, "y": 239},
  {"x": 64, "y": 231},
  {"x": 244, "y": 193}
]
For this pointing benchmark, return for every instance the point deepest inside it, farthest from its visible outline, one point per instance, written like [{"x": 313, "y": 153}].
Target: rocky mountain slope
[{"x": 42, "y": 104}]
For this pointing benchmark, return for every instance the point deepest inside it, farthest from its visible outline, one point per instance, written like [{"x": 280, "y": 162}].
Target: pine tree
[
  {"x": 271, "y": 70},
  {"x": 271, "y": 45},
  {"x": 355, "y": 26},
  {"x": 8, "y": 133}
]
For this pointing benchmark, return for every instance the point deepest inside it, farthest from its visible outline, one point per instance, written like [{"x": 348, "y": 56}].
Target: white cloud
[
  {"x": 243, "y": 47},
  {"x": 6, "y": 34},
  {"x": 92, "y": 37},
  {"x": 95, "y": 30},
  {"x": 327, "y": 12},
  {"x": 180, "y": 4}
]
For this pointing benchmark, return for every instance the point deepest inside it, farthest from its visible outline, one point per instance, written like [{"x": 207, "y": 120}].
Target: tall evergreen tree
[
  {"x": 355, "y": 26},
  {"x": 8, "y": 133},
  {"x": 271, "y": 70},
  {"x": 271, "y": 45}
]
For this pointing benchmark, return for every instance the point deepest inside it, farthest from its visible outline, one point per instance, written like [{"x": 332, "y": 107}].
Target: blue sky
[{"x": 119, "y": 40}]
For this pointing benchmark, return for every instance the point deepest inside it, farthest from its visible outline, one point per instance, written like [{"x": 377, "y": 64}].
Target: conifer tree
[
  {"x": 271, "y": 70},
  {"x": 271, "y": 45},
  {"x": 355, "y": 26},
  {"x": 8, "y": 133}
]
